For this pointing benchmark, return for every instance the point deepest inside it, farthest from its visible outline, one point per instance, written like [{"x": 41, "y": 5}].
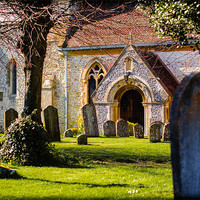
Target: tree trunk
[
  {"x": 33, "y": 87},
  {"x": 34, "y": 43}
]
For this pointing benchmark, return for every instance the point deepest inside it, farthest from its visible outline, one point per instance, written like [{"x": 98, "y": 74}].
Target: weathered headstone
[
  {"x": 9, "y": 116},
  {"x": 90, "y": 120},
  {"x": 138, "y": 131},
  {"x": 81, "y": 139},
  {"x": 155, "y": 131},
  {"x": 165, "y": 135},
  {"x": 7, "y": 172},
  {"x": 68, "y": 133},
  {"x": 109, "y": 128},
  {"x": 122, "y": 128},
  {"x": 51, "y": 123},
  {"x": 185, "y": 138}
]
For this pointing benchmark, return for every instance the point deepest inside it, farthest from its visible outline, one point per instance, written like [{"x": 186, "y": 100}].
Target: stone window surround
[
  {"x": 87, "y": 77},
  {"x": 128, "y": 64}
]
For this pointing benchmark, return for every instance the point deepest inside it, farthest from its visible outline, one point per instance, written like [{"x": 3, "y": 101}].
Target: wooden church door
[{"x": 131, "y": 108}]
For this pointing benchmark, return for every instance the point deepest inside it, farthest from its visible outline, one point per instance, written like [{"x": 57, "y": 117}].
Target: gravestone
[
  {"x": 9, "y": 116},
  {"x": 155, "y": 131},
  {"x": 81, "y": 139},
  {"x": 90, "y": 120},
  {"x": 165, "y": 135},
  {"x": 109, "y": 128},
  {"x": 7, "y": 173},
  {"x": 122, "y": 128},
  {"x": 51, "y": 123},
  {"x": 138, "y": 131},
  {"x": 185, "y": 138},
  {"x": 68, "y": 133}
]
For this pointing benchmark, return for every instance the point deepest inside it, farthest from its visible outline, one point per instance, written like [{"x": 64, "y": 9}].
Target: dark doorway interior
[{"x": 131, "y": 108}]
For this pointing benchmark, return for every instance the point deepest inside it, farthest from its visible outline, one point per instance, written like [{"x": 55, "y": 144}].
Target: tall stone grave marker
[
  {"x": 9, "y": 116},
  {"x": 51, "y": 123},
  {"x": 165, "y": 135},
  {"x": 138, "y": 131},
  {"x": 122, "y": 128},
  {"x": 90, "y": 120},
  {"x": 155, "y": 131},
  {"x": 109, "y": 128},
  {"x": 185, "y": 138}
]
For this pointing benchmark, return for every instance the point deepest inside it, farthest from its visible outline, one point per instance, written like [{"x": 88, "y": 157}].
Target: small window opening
[
  {"x": 13, "y": 78},
  {"x": 128, "y": 64}
]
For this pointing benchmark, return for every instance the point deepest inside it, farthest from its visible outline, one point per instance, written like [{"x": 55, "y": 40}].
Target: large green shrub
[
  {"x": 131, "y": 124},
  {"x": 26, "y": 144}
]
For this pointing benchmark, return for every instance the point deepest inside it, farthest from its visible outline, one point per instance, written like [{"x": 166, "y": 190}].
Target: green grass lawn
[{"x": 110, "y": 168}]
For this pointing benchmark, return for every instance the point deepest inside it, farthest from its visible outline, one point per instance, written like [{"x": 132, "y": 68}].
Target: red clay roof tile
[{"x": 116, "y": 30}]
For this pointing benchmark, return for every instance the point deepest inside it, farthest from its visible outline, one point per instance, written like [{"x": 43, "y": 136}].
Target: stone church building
[{"x": 119, "y": 64}]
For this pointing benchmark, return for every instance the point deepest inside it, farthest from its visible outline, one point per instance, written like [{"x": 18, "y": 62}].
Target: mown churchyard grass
[{"x": 109, "y": 168}]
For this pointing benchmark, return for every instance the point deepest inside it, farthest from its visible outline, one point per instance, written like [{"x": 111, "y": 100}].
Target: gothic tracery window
[{"x": 95, "y": 76}]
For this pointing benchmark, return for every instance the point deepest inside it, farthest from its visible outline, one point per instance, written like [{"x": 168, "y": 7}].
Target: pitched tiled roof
[
  {"x": 117, "y": 30},
  {"x": 160, "y": 71}
]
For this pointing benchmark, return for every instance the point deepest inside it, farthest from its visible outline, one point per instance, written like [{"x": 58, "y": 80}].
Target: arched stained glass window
[{"x": 95, "y": 76}]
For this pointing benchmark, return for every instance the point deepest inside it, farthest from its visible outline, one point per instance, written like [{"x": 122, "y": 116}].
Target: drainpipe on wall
[{"x": 66, "y": 106}]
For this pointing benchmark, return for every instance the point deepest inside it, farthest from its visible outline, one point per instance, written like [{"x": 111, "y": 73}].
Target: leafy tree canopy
[{"x": 179, "y": 19}]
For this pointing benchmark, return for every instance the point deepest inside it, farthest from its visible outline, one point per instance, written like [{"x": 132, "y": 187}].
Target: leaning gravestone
[
  {"x": 68, "y": 133},
  {"x": 9, "y": 116},
  {"x": 185, "y": 138},
  {"x": 90, "y": 120},
  {"x": 165, "y": 135},
  {"x": 138, "y": 131},
  {"x": 81, "y": 139},
  {"x": 155, "y": 131},
  {"x": 109, "y": 128},
  {"x": 51, "y": 123},
  {"x": 122, "y": 128}
]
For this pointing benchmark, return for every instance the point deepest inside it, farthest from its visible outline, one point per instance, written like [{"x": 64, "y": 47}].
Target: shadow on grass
[
  {"x": 105, "y": 155},
  {"x": 90, "y": 185},
  {"x": 120, "y": 152}
]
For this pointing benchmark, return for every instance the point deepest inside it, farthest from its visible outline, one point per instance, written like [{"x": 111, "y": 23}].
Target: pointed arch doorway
[{"x": 131, "y": 108}]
